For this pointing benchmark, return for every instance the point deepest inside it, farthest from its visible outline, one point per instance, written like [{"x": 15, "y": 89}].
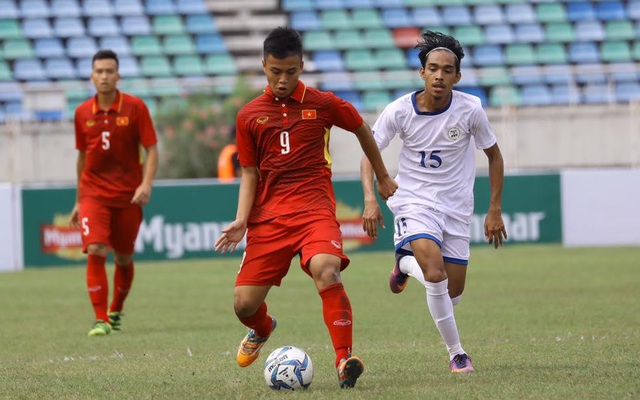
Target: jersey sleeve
[
  {"x": 81, "y": 144},
  {"x": 247, "y": 151},
  {"x": 145, "y": 126},
  {"x": 481, "y": 129},
  {"x": 344, "y": 114},
  {"x": 385, "y": 127}
]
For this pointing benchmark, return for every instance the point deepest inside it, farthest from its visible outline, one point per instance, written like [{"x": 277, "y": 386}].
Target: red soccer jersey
[
  {"x": 111, "y": 140},
  {"x": 288, "y": 140}
]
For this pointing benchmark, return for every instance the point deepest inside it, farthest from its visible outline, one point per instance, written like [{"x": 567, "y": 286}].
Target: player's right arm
[{"x": 234, "y": 232}]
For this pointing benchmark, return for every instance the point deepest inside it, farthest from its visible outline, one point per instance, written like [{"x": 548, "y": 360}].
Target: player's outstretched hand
[
  {"x": 494, "y": 229},
  {"x": 387, "y": 187},
  {"x": 231, "y": 236},
  {"x": 371, "y": 218},
  {"x": 73, "y": 219}
]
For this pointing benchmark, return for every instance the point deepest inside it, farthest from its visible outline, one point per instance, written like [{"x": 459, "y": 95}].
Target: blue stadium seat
[
  {"x": 527, "y": 74},
  {"x": 535, "y": 95},
  {"x": 501, "y": 33},
  {"x": 581, "y": 11},
  {"x": 191, "y": 7},
  {"x": 352, "y": 4},
  {"x": 633, "y": 9},
  {"x": 68, "y": 27},
  {"x": 330, "y": 4},
  {"x": 412, "y": 59},
  {"x": 597, "y": 94},
  {"x": 59, "y": 68},
  {"x": 129, "y": 67},
  {"x": 160, "y": 7},
  {"x": 48, "y": 47},
  {"x": 426, "y": 17},
  {"x": 210, "y": 44},
  {"x": 128, "y": 7},
  {"x": 34, "y": 9},
  {"x": 352, "y": 96},
  {"x": 529, "y": 33},
  {"x": 520, "y": 14},
  {"x": 589, "y": 31},
  {"x": 36, "y": 28},
  {"x": 119, "y": 44},
  {"x": 78, "y": 47},
  {"x": 396, "y": 17},
  {"x": 488, "y": 14},
  {"x": 488, "y": 55},
  {"x": 15, "y": 110},
  {"x": 103, "y": 26},
  {"x": 583, "y": 52},
  {"x": 589, "y": 73},
  {"x": 297, "y": 5},
  {"x": 307, "y": 20},
  {"x": 456, "y": 15},
  {"x": 200, "y": 23},
  {"x": 627, "y": 91},
  {"x": 97, "y": 8},
  {"x": 469, "y": 77},
  {"x": 84, "y": 67},
  {"x": 388, "y": 3},
  {"x": 624, "y": 72},
  {"x": 135, "y": 25},
  {"x": 65, "y": 8},
  {"x": 328, "y": 60},
  {"x": 558, "y": 74},
  {"x": 8, "y": 10},
  {"x": 336, "y": 81},
  {"x": 611, "y": 11}
]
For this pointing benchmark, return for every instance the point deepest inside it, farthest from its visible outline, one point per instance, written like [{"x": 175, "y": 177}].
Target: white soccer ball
[{"x": 288, "y": 367}]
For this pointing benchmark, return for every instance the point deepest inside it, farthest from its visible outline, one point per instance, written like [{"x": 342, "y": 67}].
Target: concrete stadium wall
[{"x": 531, "y": 139}]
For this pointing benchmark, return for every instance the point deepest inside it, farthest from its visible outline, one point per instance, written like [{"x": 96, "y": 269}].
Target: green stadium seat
[
  {"x": 390, "y": 59},
  {"x": 155, "y": 66},
  {"x": 500, "y": 96},
  {"x": 220, "y": 64},
  {"x": 615, "y": 52},
  {"x": 551, "y": 12},
  {"x": 368, "y": 81},
  {"x": 619, "y": 30},
  {"x": 469, "y": 35},
  {"x": 17, "y": 49},
  {"x": 5, "y": 72},
  {"x": 335, "y": 19},
  {"x": 136, "y": 86},
  {"x": 520, "y": 54},
  {"x": 443, "y": 3},
  {"x": 317, "y": 40},
  {"x": 560, "y": 32},
  {"x": 349, "y": 39},
  {"x": 10, "y": 29},
  {"x": 188, "y": 66},
  {"x": 378, "y": 38},
  {"x": 636, "y": 50},
  {"x": 360, "y": 60},
  {"x": 168, "y": 25},
  {"x": 418, "y": 3},
  {"x": 145, "y": 46},
  {"x": 493, "y": 76},
  {"x": 551, "y": 53},
  {"x": 375, "y": 100},
  {"x": 366, "y": 19},
  {"x": 179, "y": 44},
  {"x": 479, "y": 2}
]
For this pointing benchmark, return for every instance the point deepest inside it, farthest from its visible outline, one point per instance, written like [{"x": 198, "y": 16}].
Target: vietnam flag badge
[
  {"x": 309, "y": 114},
  {"x": 122, "y": 121}
]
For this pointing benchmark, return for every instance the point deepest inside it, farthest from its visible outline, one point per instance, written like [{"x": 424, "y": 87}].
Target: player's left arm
[
  {"x": 386, "y": 184},
  {"x": 143, "y": 192},
  {"x": 494, "y": 229}
]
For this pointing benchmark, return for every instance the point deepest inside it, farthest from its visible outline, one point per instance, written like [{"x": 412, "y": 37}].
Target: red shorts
[
  {"x": 272, "y": 245},
  {"x": 115, "y": 226}
]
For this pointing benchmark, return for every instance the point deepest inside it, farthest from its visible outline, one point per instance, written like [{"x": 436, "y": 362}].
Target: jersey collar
[
  {"x": 116, "y": 106},
  {"x": 297, "y": 95}
]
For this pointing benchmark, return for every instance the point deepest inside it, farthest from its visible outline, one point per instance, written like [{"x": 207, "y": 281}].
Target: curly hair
[{"x": 430, "y": 40}]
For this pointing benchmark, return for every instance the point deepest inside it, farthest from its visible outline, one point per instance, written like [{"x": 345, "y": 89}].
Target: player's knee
[
  {"x": 244, "y": 307},
  {"x": 97, "y": 249},
  {"x": 124, "y": 260},
  {"x": 435, "y": 275}
]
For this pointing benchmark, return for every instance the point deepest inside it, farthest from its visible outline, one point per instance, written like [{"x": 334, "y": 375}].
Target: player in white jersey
[{"x": 440, "y": 129}]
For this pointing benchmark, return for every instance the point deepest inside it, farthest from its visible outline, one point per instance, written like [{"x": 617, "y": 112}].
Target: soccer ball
[{"x": 288, "y": 367}]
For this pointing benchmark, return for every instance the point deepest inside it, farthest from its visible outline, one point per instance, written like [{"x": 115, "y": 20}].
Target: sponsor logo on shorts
[
  {"x": 342, "y": 322},
  {"x": 336, "y": 244}
]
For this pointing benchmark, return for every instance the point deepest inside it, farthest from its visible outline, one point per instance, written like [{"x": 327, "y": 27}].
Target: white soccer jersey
[{"x": 437, "y": 160}]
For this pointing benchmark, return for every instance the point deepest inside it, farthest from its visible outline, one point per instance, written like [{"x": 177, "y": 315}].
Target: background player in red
[
  {"x": 110, "y": 128},
  {"x": 286, "y": 199}
]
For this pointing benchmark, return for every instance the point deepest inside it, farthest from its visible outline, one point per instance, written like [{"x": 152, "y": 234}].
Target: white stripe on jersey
[{"x": 437, "y": 160}]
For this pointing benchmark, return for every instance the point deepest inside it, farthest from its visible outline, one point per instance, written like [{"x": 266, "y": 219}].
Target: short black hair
[
  {"x": 105, "y": 54},
  {"x": 429, "y": 40},
  {"x": 283, "y": 42}
]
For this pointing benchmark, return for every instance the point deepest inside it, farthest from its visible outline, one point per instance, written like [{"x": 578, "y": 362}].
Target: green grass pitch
[{"x": 540, "y": 322}]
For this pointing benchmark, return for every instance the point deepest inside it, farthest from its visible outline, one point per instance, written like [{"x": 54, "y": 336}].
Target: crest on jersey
[
  {"x": 454, "y": 133},
  {"x": 262, "y": 120},
  {"x": 90, "y": 123},
  {"x": 309, "y": 114},
  {"x": 122, "y": 121}
]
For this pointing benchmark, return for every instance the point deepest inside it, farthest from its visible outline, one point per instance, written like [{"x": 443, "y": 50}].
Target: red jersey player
[
  {"x": 286, "y": 203},
  {"x": 110, "y": 128}
]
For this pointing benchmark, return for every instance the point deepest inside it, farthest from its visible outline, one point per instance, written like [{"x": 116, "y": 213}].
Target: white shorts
[{"x": 452, "y": 235}]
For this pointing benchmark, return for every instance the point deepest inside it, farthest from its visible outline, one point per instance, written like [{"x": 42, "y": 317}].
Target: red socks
[
  {"x": 98, "y": 285},
  {"x": 260, "y": 322},
  {"x": 336, "y": 310},
  {"x": 122, "y": 280}
]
